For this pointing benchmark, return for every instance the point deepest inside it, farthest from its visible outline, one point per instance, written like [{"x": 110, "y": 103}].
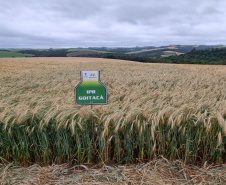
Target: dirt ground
[{"x": 159, "y": 171}]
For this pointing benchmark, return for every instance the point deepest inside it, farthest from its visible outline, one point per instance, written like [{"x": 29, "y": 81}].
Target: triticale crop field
[{"x": 174, "y": 111}]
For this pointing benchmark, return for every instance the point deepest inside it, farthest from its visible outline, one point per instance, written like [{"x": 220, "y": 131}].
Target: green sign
[{"x": 90, "y": 90}]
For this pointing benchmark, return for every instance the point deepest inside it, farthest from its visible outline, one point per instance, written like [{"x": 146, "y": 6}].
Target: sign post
[{"x": 90, "y": 90}]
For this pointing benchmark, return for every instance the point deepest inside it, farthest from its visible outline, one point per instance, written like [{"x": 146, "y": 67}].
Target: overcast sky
[{"x": 111, "y": 23}]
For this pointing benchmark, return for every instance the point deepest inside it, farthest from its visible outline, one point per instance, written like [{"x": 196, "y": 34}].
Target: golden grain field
[{"x": 177, "y": 111}]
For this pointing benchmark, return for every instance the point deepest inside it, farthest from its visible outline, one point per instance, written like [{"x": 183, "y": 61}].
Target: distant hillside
[
  {"x": 185, "y": 54},
  {"x": 70, "y": 52},
  {"x": 46, "y": 52},
  {"x": 148, "y": 51},
  {"x": 83, "y": 53},
  {"x": 166, "y": 51},
  {"x": 5, "y": 53},
  {"x": 213, "y": 56}
]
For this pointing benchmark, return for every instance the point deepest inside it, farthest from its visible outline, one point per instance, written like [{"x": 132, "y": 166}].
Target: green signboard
[{"x": 90, "y": 90}]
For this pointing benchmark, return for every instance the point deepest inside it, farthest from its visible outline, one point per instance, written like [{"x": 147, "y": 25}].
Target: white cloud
[{"x": 85, "y": 23}]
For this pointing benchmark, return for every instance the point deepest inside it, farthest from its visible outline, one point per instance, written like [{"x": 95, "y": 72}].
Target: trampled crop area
[{"x": 174, "y": 111}]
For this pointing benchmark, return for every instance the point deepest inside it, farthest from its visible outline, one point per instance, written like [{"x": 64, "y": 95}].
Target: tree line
[{"x": 216, "y": 56}]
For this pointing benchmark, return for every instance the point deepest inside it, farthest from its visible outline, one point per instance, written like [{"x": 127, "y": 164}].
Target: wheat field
[{"x": 175, "y": 111}]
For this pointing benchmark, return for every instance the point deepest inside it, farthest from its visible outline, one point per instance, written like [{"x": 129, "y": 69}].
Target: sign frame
[{"x": 91, "y": 103}]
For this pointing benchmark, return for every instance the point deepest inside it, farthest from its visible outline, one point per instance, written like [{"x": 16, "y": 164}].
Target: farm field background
[
  {"x": 13, "y": 53},
  {"x": 176, "y": 111}
]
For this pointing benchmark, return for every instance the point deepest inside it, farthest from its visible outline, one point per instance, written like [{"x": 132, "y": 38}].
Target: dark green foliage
[
  {"x": 213, "y": 56},
  {"x": 36, "y": 142},
  {"x": 46, "y": 53},
  {"x": 129, "y": 57}
]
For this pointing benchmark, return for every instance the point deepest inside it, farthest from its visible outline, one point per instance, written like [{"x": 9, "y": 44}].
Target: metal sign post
[{"x": 90, "y": 91}]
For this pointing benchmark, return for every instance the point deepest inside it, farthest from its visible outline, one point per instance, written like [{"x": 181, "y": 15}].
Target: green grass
[
  {"x": 9, "y": 54},
  {"x": 135, "y": 52},
  {"x": 164, "y": 56},
  {"x": 78, "y": 49}
]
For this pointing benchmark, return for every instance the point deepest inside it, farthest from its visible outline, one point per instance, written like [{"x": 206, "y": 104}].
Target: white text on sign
[
  {"x": 90, "y": 97},
  {"x": 90, "y": 91}
]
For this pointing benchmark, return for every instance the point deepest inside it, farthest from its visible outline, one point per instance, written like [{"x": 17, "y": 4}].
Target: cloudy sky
[{"x": 111, "y": 23}]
